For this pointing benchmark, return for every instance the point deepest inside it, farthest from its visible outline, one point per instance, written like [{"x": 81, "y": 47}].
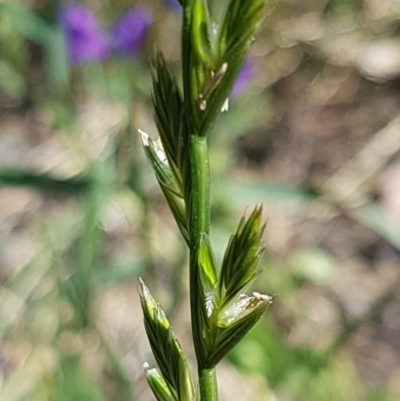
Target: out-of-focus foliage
[{"x": 313, "y": 132}]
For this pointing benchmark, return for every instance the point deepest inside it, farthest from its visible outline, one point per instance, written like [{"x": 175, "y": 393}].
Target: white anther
[
  {"x": 223, "y": 69},
  {"x": 225, "y": 106},
  {"x": 203, "y": 104},
  {"x": 266, "y": 298}
]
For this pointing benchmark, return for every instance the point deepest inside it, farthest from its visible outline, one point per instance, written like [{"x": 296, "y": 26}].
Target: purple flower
[
  {"x": 84, "y": 39},
  {"x": 128, "y": 34},
  {"x": 244, "y": 79}
]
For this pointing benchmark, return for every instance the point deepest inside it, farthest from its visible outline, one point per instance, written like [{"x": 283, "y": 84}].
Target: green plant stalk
[
  {"x": 198, "y": 200},
  {"x": 198, "y": 192},
  {"x": 199, "y": 223},
  {"x": 205, "y": 76},
  {"x": 208, "y": 384}
]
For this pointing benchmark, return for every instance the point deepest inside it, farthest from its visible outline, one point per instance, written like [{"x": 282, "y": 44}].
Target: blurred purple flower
[
  {"x": 84, "y": 39},
  {"x": 174, "y": 4},
  {"x": 244, "y": 79},
  {"x": 129, "y": 32}
]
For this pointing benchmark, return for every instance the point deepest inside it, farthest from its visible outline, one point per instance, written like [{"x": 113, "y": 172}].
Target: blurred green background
[{"x": 314, "y": 136}]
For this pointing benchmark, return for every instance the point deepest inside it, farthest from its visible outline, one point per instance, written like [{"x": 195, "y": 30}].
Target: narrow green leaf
[
  {"x": 44, "y": 182},
  {"x": 27, "y": 23}
]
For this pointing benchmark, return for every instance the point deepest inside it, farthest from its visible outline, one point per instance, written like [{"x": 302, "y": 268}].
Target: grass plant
[
  {"x": 213, "y": 54},
  {"x": 75, "y": 240}
]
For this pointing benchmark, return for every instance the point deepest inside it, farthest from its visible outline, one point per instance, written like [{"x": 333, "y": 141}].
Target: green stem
[
  {"x": 198, "y": 213},
  {"x": 208, "y": 384},
  {"x": 197, "y": 196},
  {"x": 198, "y": 200},
  {"x": 189, "y": 67}
]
